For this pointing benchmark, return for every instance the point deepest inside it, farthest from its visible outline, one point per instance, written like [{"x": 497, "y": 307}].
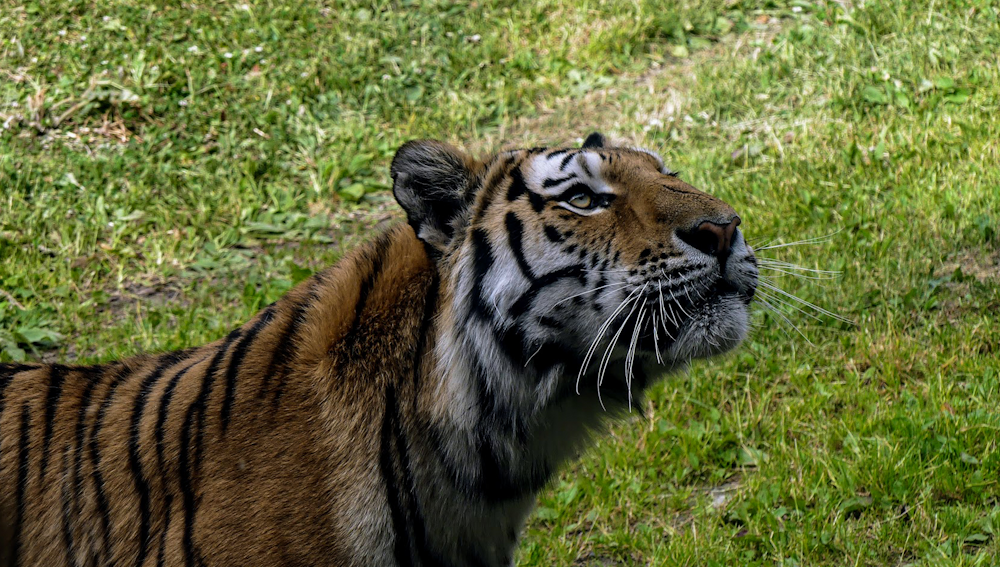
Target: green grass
[{"x": 156, "y": 200}]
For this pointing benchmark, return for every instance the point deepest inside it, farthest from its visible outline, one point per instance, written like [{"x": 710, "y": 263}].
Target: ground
[{"x": 165, "y": 171}]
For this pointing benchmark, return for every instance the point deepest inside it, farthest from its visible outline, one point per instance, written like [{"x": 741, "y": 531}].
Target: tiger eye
[{"x": 582, "y": 201}]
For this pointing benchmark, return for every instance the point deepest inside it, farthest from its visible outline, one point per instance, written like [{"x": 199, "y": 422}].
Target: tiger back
[{"x": 402, "y": 407}]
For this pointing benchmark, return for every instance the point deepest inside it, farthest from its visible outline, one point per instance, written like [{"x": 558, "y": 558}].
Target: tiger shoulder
[{"x": 402, "y": 407}]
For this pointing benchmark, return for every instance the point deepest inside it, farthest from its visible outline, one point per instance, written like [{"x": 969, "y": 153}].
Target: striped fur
[{"x": 401, "y": 408}]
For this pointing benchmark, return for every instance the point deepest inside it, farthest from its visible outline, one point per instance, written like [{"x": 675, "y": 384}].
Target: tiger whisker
[
  {"x": 663, "y": 313},
  {"x": 767, "y": 242},
  {"x": 593, "y": 271},
  {"x": 620, "y": 284},
  {"x": 791, "y": 266},
  {"x": 780, "y": 301},
  {"x": 600, "y": 333},
  {"x": 678, "y": 304},
  {"x": 611, "y": 347},
  {"x": 537, "y": 350},
  {"x": 630, "y": 357},
  {"x": 674, "y": 298},
  {"x": 785, "y": 319},
  {"x": 798, "y": 275},
  {"x": 772, "y": 287},
  {"x": 815, "y": 240},
  {"x": 656, "y": 339},
  {"x": 700, "y": 295},
  {"x": 606, "y": 357},
  {"x": 711, "y": 342}
]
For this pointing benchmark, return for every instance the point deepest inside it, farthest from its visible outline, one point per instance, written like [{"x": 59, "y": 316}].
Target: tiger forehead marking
[{"x": 402, "y": 408}]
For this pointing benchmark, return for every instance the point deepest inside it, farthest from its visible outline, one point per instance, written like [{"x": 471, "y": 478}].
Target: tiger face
[{"x": 597, "y": 263}]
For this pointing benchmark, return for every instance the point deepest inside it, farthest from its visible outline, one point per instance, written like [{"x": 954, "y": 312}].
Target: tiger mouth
[{"x": 724, "y": 288}]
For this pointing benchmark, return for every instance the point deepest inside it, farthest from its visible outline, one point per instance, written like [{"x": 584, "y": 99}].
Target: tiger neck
[{"x": 510, "y": 424}]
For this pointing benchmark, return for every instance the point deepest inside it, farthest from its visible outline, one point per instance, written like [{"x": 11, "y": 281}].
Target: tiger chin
[{"x": 403, "y": 407}]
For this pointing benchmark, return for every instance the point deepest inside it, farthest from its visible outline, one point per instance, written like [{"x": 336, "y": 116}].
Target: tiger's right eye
[{"x": 582, "y": 201}]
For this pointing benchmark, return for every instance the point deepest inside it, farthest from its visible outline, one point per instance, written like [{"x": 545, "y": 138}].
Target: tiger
[{"x": 402, "y": 407}]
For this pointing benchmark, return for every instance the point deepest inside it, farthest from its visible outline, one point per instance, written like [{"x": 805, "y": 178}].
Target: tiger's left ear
[
  {"x": 433, "y": 181},
  {"x": 595, "y": 140}
]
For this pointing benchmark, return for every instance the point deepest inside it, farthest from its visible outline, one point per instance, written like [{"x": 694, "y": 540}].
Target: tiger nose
[{"x": 712, "y": 238}]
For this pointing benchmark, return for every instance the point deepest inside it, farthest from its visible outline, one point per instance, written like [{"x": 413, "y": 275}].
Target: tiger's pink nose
[{"x": 712, "y": 238}]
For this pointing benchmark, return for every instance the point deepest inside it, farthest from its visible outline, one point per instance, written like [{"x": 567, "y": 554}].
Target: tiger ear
[
  {"x": 595, "y": 140},
  {"x": 432, "y": 181}
]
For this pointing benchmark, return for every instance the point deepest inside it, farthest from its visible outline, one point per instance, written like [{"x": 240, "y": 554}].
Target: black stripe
[
  {"x": 497, "y": 483},
  {"x": 517, "y": 185},
  {"x": 496, "y": 416},
  {"x": 552, "y": 181},
  {"x": 67, "y": 517},
  {"x": 282, "y": 351},
  {"x": 515, "y": 233},
  {"x": 10, "y": 369},
  {"x": 283, "y": 354},
  {"x": 537, "y": 201},
  {"x": 95, "y": 457},
  {"x": 491, "y": 484},
  {"x": 482, "y": 261},
  {"x": 367, "y": 285},
  {"x": 415, "y": 519},
  {"x": 549, "y": 355},
  {"x": 348, "y": 346},
  {"x": 160, "y": 556},
  {"x": 550, "y": 322},
  {"x": 401, "y": 546},
  {"x": 553, "y": 234},
  {"x": 602, "y": 280},
  {"x": 188, "y": 468},
  {"x": 489, "y": 182},
  {"x": 57, "y": 374},
  {"x": 234, "y": 365},
  {"x": 460, "y": 480},
  {"x": 514, "y": 344},
  {"x": 675, "y": 190},
  {"x": 93, "y": 375},
  {"x": 22, "y": 481},
  {"x": 427, "y": 557},
  {"x": 161, "y": 417},
  {"x": 565, "y": 162},
  {"x": 523, "y": 303},
  {"x": 556, "y": 153},
  {"x": 207, "y": 384},
  {"x": 585, "y": 167},
  {"x": 497, "y": 480},
  {"x": 135, "y": 463},
  {"x": 191, "y": 555}
]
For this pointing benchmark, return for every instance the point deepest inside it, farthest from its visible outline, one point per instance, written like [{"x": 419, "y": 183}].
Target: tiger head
[{"x": 583, "y": 260}]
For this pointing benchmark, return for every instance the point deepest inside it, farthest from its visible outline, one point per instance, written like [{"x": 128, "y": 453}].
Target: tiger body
[{"x": 402, "y": 407}]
